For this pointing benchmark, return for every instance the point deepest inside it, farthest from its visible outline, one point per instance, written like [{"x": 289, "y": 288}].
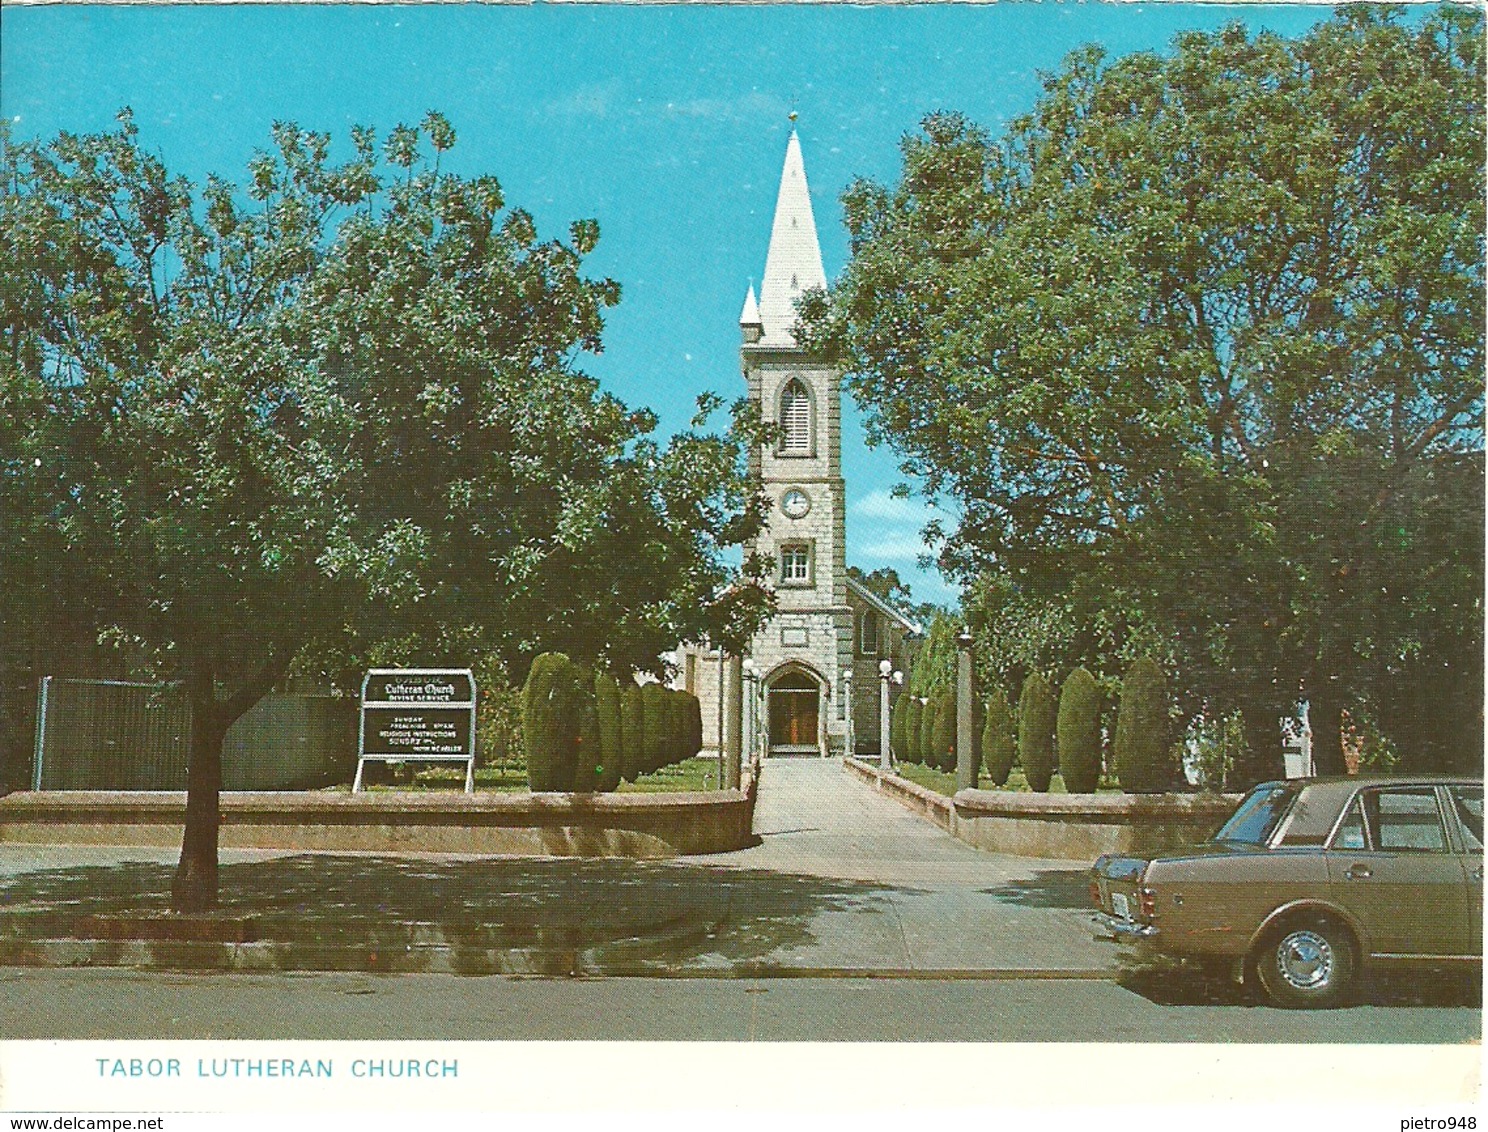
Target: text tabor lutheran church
[{"x": 817, "y": 659}]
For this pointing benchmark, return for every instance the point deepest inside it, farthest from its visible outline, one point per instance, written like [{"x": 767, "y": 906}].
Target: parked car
[{"x": 1311, "y": 882}]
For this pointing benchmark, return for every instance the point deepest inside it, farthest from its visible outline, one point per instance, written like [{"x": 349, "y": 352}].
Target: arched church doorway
[{"x": 794, "y": 700}]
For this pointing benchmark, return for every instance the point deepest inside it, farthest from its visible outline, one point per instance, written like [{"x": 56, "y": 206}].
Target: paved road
[
  {"x": 122, "y": 1004},
  {"x": 843, "y": 881}
]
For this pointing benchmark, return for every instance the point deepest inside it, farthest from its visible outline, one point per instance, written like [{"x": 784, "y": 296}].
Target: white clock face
[{"x": 795, "y": 504}]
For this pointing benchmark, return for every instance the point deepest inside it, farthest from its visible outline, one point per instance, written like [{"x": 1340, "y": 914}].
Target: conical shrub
[
  {"x": 928, "y": 754},
  {"x": 654, "y": 713},
  {"x": 1143, "y": 762},
  {"x": 913, "y": 710},
  {"x": 587, "y": 756},
  {"x": 896, "y": 727},
  {"x": 551, "y": 703},
  {"x": 632, "y": 731},
  {"x": 943, "y": 731},
  {"x": 1079, "y": 733},
  {"x": 1036, "y": 719},
  {"x": 611, "y": 732},
  {"x": 998, "y": 749}
]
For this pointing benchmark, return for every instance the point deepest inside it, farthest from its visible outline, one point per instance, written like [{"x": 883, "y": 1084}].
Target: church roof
[
  {"x": 794, "y": 263},
  {"x": 867, "y": 596}
]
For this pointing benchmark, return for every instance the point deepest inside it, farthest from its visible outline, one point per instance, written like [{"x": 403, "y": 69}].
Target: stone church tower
[
  {"x": 809, "y": 698},
  {"x": 805, "y": 651}
]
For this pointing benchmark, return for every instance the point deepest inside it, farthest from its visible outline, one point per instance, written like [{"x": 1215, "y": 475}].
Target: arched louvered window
[
  {"x": 868, "y": 633},
  {"x": 795, "y": 418}
]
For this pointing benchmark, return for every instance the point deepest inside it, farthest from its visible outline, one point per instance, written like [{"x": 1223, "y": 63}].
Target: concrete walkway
[
  {"x": 842, "y": 882},
  {"x": 922, "y": 901}
]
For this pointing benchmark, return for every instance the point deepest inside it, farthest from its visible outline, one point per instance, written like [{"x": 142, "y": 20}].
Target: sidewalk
[{"x": 843, "y": 882}]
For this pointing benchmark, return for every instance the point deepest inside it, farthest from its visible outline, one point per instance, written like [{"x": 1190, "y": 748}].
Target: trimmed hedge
[
  {"x": 1036, "y": 720},
  {"x": 632, "y": 732},
  {"x": 550, "y": 719},
  {"x": 1079, "y": 733},
  {"x": 997, "y": 738},
  {"x": 943, "y": 731},
  {"x": 1143, "y": 762},
  {"x": 607, "y": 708},
  {"x": 587, "y": 754}
]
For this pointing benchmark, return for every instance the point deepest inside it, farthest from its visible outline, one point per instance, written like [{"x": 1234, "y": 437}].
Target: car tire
[{"x": 1306, "y": 963}]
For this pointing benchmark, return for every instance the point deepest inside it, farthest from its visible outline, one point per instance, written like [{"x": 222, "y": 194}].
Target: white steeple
[
  {"x": 749, "y": 317},
  {"x": 793, "y": 265}
]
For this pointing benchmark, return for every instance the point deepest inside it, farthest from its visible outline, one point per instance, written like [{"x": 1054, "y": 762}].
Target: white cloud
[{"x": 880, "y": 506}]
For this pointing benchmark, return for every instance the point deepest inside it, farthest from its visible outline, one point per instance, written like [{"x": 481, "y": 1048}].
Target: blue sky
[{"x": 667, "y": 124}]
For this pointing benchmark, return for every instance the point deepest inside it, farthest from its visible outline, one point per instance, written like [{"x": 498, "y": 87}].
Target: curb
[{"x": 264, "y": 958}]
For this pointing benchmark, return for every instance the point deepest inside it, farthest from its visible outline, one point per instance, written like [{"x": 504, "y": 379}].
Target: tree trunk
[
  {"x": 194, "y": 888},
  {"x": 1325, "y": 713}
]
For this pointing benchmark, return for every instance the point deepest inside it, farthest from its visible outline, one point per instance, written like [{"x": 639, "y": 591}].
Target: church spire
[
  {"x": 749, "y": 317},
  {"x": 793, "y": 265}
]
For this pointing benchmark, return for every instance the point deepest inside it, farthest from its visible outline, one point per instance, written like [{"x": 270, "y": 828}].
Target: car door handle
[{"x": 1359, "y": 872}]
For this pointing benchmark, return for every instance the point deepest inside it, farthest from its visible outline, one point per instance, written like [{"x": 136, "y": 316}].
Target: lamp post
[
  {"x": 751, "y": 674},
  {"x": 885, "y": 674},
  {"x": 966, "y": 770},
  {"x": 847, "y": 707}
]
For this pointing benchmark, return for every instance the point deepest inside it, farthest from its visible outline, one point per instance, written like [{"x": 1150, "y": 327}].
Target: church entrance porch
[{"x": 795, "y": 714}]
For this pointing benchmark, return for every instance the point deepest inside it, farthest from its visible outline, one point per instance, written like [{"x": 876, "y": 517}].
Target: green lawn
[
  {"x": 511, "y": 778},
  {"x": 943, "y": 783}
]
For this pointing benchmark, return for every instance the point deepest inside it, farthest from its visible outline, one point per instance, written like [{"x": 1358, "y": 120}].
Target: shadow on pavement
[
  {"x": 1048, "y": 888},
  {"x": 1176, "y": 984},
  {"x": 630, "y": 912}
]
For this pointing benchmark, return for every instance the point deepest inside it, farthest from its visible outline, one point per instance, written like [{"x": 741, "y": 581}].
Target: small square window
[{"x": 795, "y": 564}]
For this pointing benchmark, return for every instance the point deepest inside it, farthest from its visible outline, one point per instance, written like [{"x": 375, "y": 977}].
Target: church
[{"x": 813, "y": 670}]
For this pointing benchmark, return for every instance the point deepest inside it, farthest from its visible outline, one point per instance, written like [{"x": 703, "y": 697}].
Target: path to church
[{"x": 900, "y": 895}]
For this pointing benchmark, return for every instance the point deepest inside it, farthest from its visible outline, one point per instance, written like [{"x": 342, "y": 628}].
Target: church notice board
[{"x": 417, "y": 715}]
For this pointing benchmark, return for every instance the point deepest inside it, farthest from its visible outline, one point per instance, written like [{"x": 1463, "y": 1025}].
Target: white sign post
[{"x": 417, "y": 715}]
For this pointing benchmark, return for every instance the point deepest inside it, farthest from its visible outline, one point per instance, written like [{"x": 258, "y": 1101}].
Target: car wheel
[{"x": 1306, "y": 963}]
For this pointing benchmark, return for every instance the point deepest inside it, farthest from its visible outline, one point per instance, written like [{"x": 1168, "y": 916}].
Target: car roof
[{"x": 1357, "y": 780}]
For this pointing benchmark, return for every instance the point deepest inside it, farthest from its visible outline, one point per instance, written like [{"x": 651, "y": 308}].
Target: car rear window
[
  {"x": 1258, "y": 814},
  {"x": 1467, "y": 802}
]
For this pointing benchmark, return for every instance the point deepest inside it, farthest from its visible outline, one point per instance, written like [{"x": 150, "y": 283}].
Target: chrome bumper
[{"x": 1123, "y": 929}]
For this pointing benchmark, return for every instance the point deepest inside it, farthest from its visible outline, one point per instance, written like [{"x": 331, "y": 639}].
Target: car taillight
[
  {"x": 1095, "y": 893},
  {"x": 1149, "y": 903}
]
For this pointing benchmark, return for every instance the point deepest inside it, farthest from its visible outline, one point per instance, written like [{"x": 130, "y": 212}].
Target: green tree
[
  {"x": 997, "y": 738},
  {"x": 1036, "y": 720},
  {"x": 1190, "y": 341},
  {"x": 943, "y": 731},
  {"x": 934, "y": 669},
  {"x": 1079, "y": 733},
  {"x": 340, "y": 404},
  {"x": 1144, "y": 764}
]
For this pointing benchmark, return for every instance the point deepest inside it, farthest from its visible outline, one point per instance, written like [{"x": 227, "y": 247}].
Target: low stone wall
[
  {"x": 556, "y": 825},
  {"x": 1067, "y": 826}
]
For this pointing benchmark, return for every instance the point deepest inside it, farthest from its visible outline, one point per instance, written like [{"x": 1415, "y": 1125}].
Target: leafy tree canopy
[
  {"x": 1198, "y": 343},
  {"x": 337, "y": 405}
]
